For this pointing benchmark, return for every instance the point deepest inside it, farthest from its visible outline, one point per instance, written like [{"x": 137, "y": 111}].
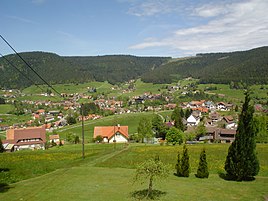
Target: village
[{"x": 218, "y": 118}]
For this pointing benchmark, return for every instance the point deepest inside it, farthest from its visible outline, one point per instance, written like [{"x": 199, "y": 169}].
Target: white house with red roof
[{"x": 110, "y": 134}]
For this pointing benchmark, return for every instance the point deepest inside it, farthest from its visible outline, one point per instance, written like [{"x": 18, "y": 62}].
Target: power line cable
[
  {"x": 29, "y": 65},
  {"x": 24, "y": 75}
]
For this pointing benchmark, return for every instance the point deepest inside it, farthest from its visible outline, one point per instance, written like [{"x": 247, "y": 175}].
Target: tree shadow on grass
[
  {"x": 4, "y": 187},
  {"x": 142, "y": 194},
  {"x": 4, "y": 169},
  {"x": 228, "y": 178}
]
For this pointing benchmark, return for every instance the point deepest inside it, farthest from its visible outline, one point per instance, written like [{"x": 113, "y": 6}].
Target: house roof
[
  {"x": 109, "y": 131},
  {"x": 228, "y": 131},
  {"x": 229, "y": 119},
  {"x": 54, "y": 137},
  {"x": 15, "y": 135}
]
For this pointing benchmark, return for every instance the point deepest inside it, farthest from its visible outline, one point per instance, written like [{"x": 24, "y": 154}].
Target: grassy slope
[
  {"x": 27, "y": 164},
  {"x": 216, "y": 154},
  {"x": 85, "y": 182},
  {"x": 5, "y": 108}
]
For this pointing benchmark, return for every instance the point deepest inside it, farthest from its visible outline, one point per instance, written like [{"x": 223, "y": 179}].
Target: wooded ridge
[{"x": 250, "y": 67}]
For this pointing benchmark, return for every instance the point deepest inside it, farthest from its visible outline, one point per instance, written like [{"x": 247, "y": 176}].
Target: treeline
[
  {"x": 249, "y": 67},
  {"x": 116, "y": 69},
  {"x": 56, "y": 69}
]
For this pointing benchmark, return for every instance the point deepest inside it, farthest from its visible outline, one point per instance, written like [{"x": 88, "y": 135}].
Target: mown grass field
[
  {"x": 216, "y": 154},
  {"x": 26, "y": 164},
  {"x": 5, "y": 108},
  {"x": 236, "y": 95},
  {"x": 111, "y": 178}
]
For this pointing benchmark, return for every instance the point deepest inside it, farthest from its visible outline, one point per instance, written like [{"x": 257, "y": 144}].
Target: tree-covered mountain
[
  {"x": 56, "y": 69},
  {"x": 245, "y": 66}
]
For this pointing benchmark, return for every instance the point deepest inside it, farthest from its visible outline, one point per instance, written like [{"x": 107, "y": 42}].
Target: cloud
[
  {"x": 20, "y": 19},
  {"x": 233, "y": 26},
  {"x": 151, "y": 7}
]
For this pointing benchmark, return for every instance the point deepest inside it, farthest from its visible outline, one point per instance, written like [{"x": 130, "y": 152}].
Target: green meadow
[
  {"x": 5, "y": 108},
  {"x": 107, "y": 173}
]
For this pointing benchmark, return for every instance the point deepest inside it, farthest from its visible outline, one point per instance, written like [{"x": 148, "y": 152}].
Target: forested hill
[
  {"x": 246, "y": 66},
  {"x": 56, "y": 69}
]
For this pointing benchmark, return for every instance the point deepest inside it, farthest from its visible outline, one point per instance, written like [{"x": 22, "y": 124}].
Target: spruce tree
[
  {"x": 185, "y": 164},
  {"x": 242, "y": 162},
  {"x": 202, "y": 171},
  {"x": 1, "y": 146},
  {"x": 178, "y": 165}
]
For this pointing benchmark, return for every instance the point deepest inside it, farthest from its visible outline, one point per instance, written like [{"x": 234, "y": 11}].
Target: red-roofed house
[
  {"x": 55, "y": 138},
  {"x": 112, "y": 133},
  {"x": 26, "y": 138}
]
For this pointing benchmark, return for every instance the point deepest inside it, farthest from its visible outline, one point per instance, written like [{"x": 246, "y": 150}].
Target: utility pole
[{"x": 83, "y": 133}]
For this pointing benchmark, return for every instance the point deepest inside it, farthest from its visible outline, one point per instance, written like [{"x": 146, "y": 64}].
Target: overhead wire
[{"x": 28, "y": 65}]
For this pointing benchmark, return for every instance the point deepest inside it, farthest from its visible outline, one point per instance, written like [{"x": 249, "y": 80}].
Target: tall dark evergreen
[
  {"x": 202, "y": 171},
  {"x": 185, "y": 163},
  {"x": 242, "y": 162},
  {"x": 177, "y": 116},
  {"x": 178, "y": 165}
]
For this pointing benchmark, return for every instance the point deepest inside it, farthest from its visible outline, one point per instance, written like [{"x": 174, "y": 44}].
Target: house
[
  {"x": 193, "y": 120},
  {"x": 226, "y": 135},
  {"x": 220, "y": 134},
  {"x": 111, "y": 134},
  {"x": 210, "y": 105},
  {"x": 224, "y": 106},
  {"x": 215, "y": 116},
  {"x": 229, "y": 121},
  {"x": 26, "y": 138},
  {"x": 55, "y": 138}
]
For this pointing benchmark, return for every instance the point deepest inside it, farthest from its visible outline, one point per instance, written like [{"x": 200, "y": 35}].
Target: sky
[{"x": 175, "y": 28}]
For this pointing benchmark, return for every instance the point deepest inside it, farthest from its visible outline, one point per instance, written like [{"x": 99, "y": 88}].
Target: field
[
  {"x": 5, "y": 108},
  {"x": 236, "y": 95},
  {"x": 107, "y": 174}
]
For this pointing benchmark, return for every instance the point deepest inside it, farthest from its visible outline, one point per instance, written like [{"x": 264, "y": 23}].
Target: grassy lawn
[
  {"x": 12, "y": 119},
  {"x": 27, "y": 164},
  {"x": 5, "y": 108},
  {"x": 87, "y": 182},
  {"x": 236, "y": 95},
  {"x": 104, "y": 184},
  {"x": 216, "y": 155},
  {"x": 71, "y": 88}
]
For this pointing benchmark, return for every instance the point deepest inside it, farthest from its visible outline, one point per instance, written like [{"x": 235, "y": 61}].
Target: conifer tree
[
  {"x": 178, "y": 165},
  {"x": 242, "y": 162},
  {"x": 202, "y": 171},
  {"x": 185, "y": 164},
  {"x": 176, "y": 116},
  {"x": 1, "y": 146}
]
